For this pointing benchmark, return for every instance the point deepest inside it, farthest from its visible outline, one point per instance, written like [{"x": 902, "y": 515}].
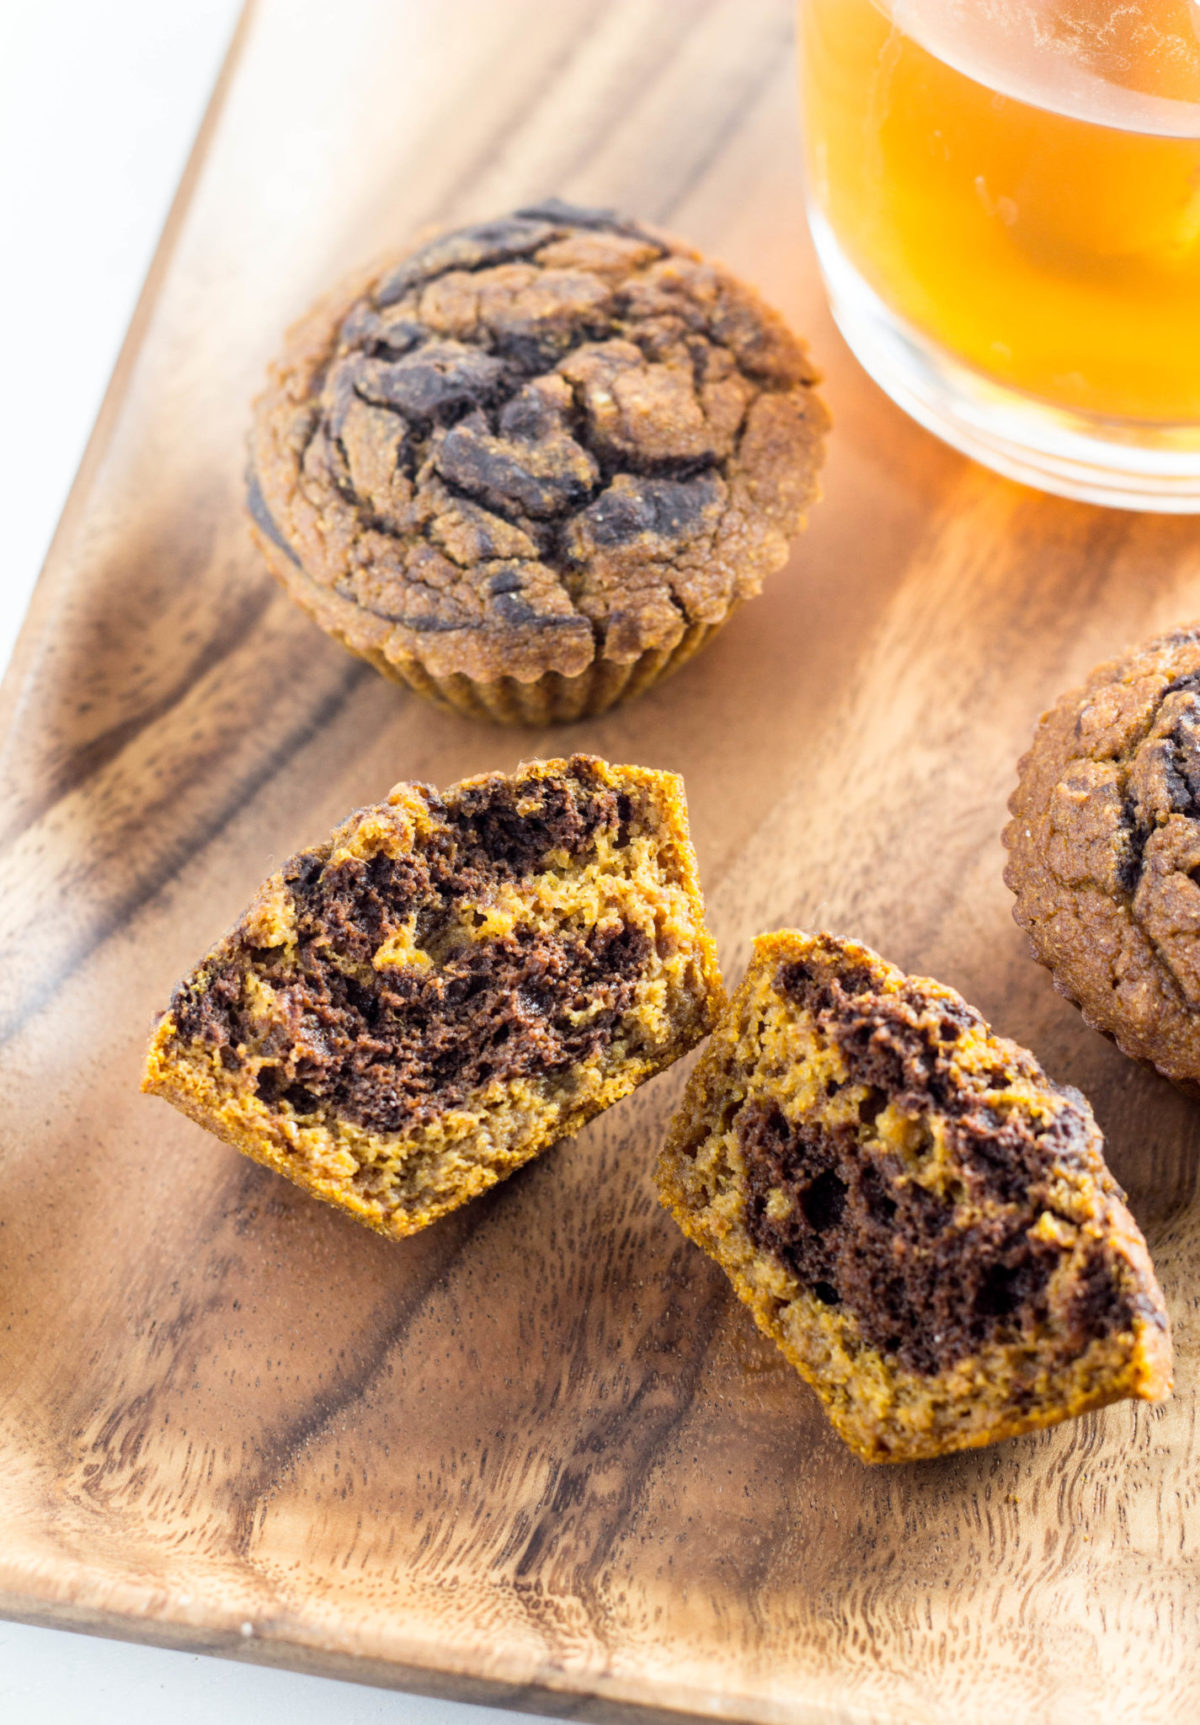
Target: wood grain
[{"x": 537, "y": 1454}]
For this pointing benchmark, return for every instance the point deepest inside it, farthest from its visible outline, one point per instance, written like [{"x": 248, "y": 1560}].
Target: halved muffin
[
  {"x": 408, "y": 1012},
  {"x": 918, "y": 1217}
]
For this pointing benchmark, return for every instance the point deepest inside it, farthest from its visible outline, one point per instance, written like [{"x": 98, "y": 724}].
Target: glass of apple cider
[{"x": 1005, "y": 200}]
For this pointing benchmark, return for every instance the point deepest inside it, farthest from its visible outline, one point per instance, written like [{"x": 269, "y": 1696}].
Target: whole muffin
[
  {"x": 532, "y": 466},
  {"x": 1104, "y": 851}
]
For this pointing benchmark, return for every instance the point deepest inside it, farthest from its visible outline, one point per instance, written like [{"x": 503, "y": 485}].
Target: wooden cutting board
[{"x": 538, "y": 1454}]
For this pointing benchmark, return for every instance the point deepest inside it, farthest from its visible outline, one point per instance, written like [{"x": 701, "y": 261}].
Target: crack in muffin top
[{"x": 538, "y": 440}]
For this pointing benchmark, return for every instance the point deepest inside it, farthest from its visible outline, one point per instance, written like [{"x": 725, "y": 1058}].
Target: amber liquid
[{"x": 1036, "y": 216}]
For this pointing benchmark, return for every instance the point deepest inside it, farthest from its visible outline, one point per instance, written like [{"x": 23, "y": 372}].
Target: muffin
[
  {"x": 1104, "y": 851},
  {"x": 408, "y": 1012},
  {"x": 532, "y": 466},
  {"x": 918, "y": 1217}
]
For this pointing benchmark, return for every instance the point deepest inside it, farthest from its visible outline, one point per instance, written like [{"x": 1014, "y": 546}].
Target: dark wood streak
[
  {"x": 189, "y": 845},
  {"x": 640, "y": 1438},
  {"x": 89, "y": 759},
  {"x": 284, "y": 1445}
]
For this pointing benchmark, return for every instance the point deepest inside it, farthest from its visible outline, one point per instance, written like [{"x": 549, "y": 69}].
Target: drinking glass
[{"x": 1005, "y": 201}]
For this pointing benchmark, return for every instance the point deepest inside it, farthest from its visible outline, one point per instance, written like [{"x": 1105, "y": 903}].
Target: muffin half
[
  {"x": 532, "y": 466},
  {"x": 918, "y": 1217},
  {"x": 410, "y": 1011}
]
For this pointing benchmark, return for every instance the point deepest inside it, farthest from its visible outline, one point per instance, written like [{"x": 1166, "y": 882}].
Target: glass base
[{"x": 1113, "y": 461}]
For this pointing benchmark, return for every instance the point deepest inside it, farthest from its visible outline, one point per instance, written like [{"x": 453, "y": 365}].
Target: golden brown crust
[
  {"x": 244, "y": 1048},
  {"x": 531, "y": 485},
  {"x": 1007, "y": 1378},
  {"x": 1104, "y": 851}
]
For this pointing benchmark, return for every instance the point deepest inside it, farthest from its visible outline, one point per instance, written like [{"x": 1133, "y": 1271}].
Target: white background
[{"x": 99, "y": 103}]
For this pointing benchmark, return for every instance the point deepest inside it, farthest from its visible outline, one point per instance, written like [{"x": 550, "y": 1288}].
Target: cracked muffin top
[
  {"x": 531, "y": 444},
  {"x": 1104, "y": 851}
]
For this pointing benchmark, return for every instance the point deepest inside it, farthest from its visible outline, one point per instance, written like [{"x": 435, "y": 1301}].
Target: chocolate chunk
[
  {"x": 256, "y": 504},
  {"x": 668, "y": 509},
  {"x": 567, "y": 215},
  {"x": 541, "y": 480},
  {"x": 468, "y": 249},
  {"x": 438, "y": 379},
  {"x": 512, "y": 608},
  {"x": 506, "y": 581}
]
